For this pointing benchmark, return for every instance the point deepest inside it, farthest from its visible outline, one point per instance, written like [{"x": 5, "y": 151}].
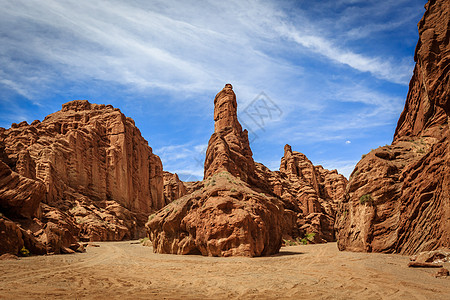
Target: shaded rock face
[
  {"x": 10, "y": 237},
  {"x": 398, "y": 198},
  {"x": 427, "y": 103},
  {"x": 20, "y": 196},
  {"x": 88, "y": 162},
  {"x": 226, "y": 214},
  {"x": 174, "y": 188},
  {"x": 229, "y": 148},
  {"x": 310, "y": 195},
  {"x": 226, "y": 217}
]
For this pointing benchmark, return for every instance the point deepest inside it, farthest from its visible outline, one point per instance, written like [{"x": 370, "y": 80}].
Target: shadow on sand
[{"x": 286, "y": 253}]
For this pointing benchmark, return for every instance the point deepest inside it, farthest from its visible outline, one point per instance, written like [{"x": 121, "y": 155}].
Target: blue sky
[{"x": 333, "y": 74}]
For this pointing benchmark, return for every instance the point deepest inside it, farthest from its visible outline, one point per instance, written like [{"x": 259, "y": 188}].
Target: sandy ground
[{"x": 121, "y": 270}]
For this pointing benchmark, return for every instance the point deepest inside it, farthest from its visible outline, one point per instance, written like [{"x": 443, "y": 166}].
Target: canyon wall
[
  {"x": 397, "y": 199},
  {"x": 87, "y": 162}
]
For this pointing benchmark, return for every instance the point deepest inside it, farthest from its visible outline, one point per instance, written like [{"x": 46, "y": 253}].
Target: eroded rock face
[
  {"x": 229, "y": 148},
  {"x": 398, "y": 198},
  {"x": 429, "y": 88},
  {"x": 88, "y": 162},
  {"x": 310, "y": 195},
  {"x": 10, "y": 237},
  {"x": 226, "y": 217},
  {"x": 241, "y": 207},
  {"x": 226, "y": 214},
  {"x": 174, "y": 188},
  {"x": 19, "y": 196}
]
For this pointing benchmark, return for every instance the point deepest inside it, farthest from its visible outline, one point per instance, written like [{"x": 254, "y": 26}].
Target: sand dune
[{"x": 122, "y": 270}]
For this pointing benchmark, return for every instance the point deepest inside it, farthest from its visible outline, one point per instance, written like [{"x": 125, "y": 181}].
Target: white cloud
[
  {"x": 378, "y": 66},
  {"x": 344, "y": 167},
  {"x": 189, "y": 49},
  {"x": 185, "y": 159}
]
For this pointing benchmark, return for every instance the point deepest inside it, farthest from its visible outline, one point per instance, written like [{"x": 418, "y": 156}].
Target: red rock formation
[
  {"x": 224, "y": 218},
  {"x": 86, "y": 161},
  {"x": 398, "y": 196},
  {"x": 20, "y": 196},
  {"x": 309, "y": 193},
  {"x": 10, "y": 237},
  {"x": 228, "y": 215},
  {"x": 241, "y": 207},
  {"x": 174, "y": 188},
  {"x": 229, "y": 148}
]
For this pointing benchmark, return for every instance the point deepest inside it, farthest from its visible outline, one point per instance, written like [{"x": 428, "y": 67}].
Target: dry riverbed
[{"x": 126, "y": 270}]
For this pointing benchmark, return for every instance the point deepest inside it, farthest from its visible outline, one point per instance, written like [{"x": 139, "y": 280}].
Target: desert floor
[{"x": 123, "y": 270}]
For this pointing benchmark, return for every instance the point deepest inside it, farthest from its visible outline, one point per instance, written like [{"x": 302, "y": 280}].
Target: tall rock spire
[{"x": 229, "y": 148}]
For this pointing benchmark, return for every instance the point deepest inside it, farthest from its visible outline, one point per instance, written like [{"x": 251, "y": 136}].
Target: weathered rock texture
[
  {"x": 224, "y": 218},
  {"x": 229, "y": 148},
  {"x": 310, "y": 195},
  {"x": 174, "y": 188},
  {"x": 241, "y": 207},
  {"x": 227, "y": 215},
  {"x": 88, "y": 165},
  {"x": 398, "y": 198}
]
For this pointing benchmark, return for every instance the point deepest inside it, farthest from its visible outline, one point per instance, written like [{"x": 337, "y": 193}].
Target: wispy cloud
[
  {"x": 345, "y": 167},
  {"x": 378, "y": 66},
  {"x": 187, "y": 50},
  {"x": 186, "y": 160}
]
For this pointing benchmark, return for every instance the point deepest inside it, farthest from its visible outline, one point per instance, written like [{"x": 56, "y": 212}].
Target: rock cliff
[
  {"x": 174, "y": 188},
  {"x": 226, "y": 214},
  {"x": 86, "y": 165},
  {"x": 310, "y": 195},
  {"x": 241, "y": 207},
  {"x": 397, "y": 199}
]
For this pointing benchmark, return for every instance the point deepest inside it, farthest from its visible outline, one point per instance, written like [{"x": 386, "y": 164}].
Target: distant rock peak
[{"x": 225, "y": 110}]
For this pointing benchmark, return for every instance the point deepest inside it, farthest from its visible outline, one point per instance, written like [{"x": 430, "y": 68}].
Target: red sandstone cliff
[
  {"x": 398, "y": 198},
  {"x": 310, "y": 195},
  {"x": 92, "y": 168},
  {"x": 225, "y": 215},
  {"x": 241, "y": 207},
  {"x": 174, "y": 188}
]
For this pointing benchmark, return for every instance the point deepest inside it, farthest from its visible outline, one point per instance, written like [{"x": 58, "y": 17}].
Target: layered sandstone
[
  {"x": 229, "y": 148},
  {"x": 398, "y": 198},
  {"x": 174, "y": 188},
  {"x": 226, "y": 214},
  {"x": 310, "y": 195},
  {"x": 226, "y": 217},
  {"x": 87, "y": 163},
  {"x": 241, "y": 207}
]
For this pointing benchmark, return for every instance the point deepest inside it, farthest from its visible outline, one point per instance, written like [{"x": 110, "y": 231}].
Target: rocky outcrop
[
  {"x": 11, "y": 237},
  {"x": 427, "y": 99},
  {"x": 310, "y": 195},
  {"x": 20, "y": 196},
  {"x": 224, "y": 218},
  {"x": 229, "y": 148},
  {"x": 89, "y": 165},
  {"x": 241, "y": 207},
  {"x": 398, "y": 198},
  {"x": 174, "y": 188},
  {"x": 227, "y": 214}
]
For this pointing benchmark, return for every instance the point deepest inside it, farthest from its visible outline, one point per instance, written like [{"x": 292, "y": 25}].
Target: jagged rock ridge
[
  {"x": 240, "y": 206},
  {"x": 398, "y": 198},
  {"x": 309, "y": 193},
  {"x": 90, "y": 170}
]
